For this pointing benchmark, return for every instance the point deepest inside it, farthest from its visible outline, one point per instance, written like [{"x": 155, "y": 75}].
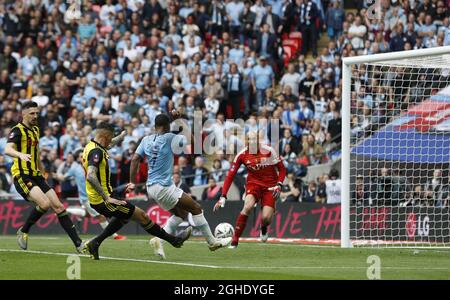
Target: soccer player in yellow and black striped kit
[
  {"x": 27, "y": 171},
  {"x": 102, "y": 197}
]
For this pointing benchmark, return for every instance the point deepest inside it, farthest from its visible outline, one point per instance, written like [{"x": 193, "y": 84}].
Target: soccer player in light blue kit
[
  {"x": 158, "y": 148},
  {"x": 77, "y": 172}
]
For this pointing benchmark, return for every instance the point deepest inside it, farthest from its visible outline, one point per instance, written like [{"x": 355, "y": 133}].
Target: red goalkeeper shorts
[{"x": 262, "y": 194}]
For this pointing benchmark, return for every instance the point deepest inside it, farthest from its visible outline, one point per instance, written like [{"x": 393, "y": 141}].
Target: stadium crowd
[
  {"x": 126, "y": 61},
  {"x": 382, "y": 93}
]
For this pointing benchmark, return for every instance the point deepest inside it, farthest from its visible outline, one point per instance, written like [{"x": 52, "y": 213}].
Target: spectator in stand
[
  {"x": 308, "y": 20},
  {"x": 335, "y": 17},
  {"x": 310, "y": 193},
  {"x": 212, "y": 192},
  {"x": 263, "y": 78},
  {"x": 446, "y": 194},
  {"x": 416, "y": 198},
  {"x": 247, "y": 18},
  {"x": 48, "y": 141},
  {"x": 293, "y": 119},
  {"x": 290, "y": 140},
  {"x": 234, "y": 9},
  {"x": 312, "y": 151},
  {"x": 291, "y": 191},
  {"x": 217, "y": 171},
  {"x": 68, "y": 186},
  {"x": 233, "y": 84},
  {"x": 357, "y": 34},
  {"x": 186, "y": 170},
  {"x": 5, "y": 180},
  {"x": 333, "y": 187},
  {"x": 435, "y": 185},
  {"x": 289, "y": 157},
  {"x": 180, "y": 184},
  {"x": 321, "y": 195},
  {"x": 292, "y": 79},
  {"x": 361, "y": 194}
]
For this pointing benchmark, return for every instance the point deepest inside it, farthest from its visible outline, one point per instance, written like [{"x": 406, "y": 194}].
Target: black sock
[
  {"x": 68, "y": 226},
  {"x": 263, "y": 229},
  {"x": 156, "y": 230},
  {"x": 34, "y": 216},
  {"x": 114, "y": 225}
]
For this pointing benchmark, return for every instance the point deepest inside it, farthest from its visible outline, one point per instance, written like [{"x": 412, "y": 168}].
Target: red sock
[{"x": 239, "y": 228}]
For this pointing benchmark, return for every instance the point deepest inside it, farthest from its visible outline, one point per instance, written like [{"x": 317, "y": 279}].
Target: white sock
[
  {"x": 104, "y": 224},
  {"x": 171, "y": 225},
  {"x": 77, "y": 211},
  {"x": 201, "y": 223}
]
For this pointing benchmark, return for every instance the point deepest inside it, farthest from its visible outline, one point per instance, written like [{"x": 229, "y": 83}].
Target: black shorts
[
  {"x": 122, "y": 212},
  {"x": 25, "y": 183}
]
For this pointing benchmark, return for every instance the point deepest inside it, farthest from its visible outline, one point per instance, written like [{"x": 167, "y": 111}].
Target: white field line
[
  {"x": 189, "y": 242},
  {"x": 111, "y": 258},
  {"x": 224, "y": 267},
  {"x": 281, "y": 242}
]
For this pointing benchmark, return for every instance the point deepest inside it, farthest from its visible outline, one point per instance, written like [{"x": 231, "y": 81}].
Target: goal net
[{"x": 396, "y": 116}]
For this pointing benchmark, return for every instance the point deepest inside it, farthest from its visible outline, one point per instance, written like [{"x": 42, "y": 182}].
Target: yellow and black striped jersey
[
  {"x": 96, "y": 155},
  {"x": 27, "y": 141}
]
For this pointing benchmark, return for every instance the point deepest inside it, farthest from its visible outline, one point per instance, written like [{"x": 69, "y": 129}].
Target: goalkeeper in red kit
[{"x": 266, "y": 174}]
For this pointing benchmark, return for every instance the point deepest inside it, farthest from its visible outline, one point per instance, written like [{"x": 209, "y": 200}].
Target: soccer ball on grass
[{"x": 223, "y": 230}]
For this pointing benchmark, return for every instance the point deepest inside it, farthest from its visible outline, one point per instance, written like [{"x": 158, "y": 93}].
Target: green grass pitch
[{"x": 133, "y": 258}]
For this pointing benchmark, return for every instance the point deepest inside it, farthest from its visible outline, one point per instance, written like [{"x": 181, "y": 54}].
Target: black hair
[
  {"x": 77, "y": 153},
  {"x": 105, "y": 126},
  {"x": 334, "y": 173},
  {"x": 162, "y": 120},
  {"x": 29, "y": 104}
]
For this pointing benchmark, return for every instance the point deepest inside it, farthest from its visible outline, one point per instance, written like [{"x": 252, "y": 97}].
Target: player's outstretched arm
[
  {"x": 228, "y": 181},
  {"x": 281, "y": 171},
  {"x": 175, "y": 114},
  {"x": 134, "y": 166},
  {"x": 117, "y": 139},
  {"x": 281, "y": 176},
  {"x": 92, "y": 178}
]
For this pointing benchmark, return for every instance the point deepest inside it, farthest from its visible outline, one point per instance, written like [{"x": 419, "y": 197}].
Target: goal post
[{"x": 395, "y": 163}]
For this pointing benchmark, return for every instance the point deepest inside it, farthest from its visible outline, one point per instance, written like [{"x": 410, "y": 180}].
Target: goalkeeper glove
[
  {"x": 277, "y": 190},
  {"x": 220, "y": 203}
]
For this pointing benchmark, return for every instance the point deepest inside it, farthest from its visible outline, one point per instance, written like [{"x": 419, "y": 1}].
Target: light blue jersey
[
  {"x": 159, "y": 152},
  {"x": 77, "y": 172}
]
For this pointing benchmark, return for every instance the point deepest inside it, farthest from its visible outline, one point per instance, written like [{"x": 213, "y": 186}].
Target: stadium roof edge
[{"x": 395, "y": 55}]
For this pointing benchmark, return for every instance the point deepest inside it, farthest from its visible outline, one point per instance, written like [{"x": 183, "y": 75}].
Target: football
[{"x": 223, "y": 230}]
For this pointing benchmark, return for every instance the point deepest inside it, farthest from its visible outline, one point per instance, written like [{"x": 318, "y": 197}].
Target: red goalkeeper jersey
[{"x": 265, "y": 168}]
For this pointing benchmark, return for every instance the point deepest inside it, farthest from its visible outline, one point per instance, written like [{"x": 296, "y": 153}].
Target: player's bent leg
[
  {"x": 241, "y": 222},
  {"x": 188, "y": 204},
  {"x": 42, "y": 206},
  {"x": 93, "y": 245},
  {"x": 154, "y": 229},
  {"x": 64, "y": 220},
  {"x": 55, "y": 203},
  {"x": 119, "y": 214},
  {"x": 178, "y": 215},
  {"x": 267, "y": 215},
  {"x": 101, "y": 219}
]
